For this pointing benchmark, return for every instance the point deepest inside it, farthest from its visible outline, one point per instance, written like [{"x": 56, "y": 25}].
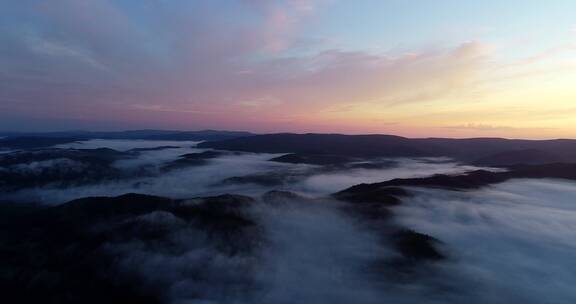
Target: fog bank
[{"x": 510, "y": 243}]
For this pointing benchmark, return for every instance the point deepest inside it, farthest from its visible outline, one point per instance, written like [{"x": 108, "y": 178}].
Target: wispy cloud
[{"x": 170, "y": 63}]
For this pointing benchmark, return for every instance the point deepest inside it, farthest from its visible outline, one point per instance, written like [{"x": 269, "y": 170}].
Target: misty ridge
[{"x": 155, "y": 216}]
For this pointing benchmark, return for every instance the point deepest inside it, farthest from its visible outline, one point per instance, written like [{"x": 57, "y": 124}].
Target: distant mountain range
[
  {"x": 480, "y": 151},
  {"x": 24, "y": 140},
  {"x": 477, "y": 151}
]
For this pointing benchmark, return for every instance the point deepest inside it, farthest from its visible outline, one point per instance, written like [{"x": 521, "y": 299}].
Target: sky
[{"x": 416, "y": 68}]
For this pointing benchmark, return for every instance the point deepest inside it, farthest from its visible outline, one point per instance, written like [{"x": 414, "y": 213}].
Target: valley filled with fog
[
  {"x": 176, "y": 223},
  {"x": 213, "y": 176}
]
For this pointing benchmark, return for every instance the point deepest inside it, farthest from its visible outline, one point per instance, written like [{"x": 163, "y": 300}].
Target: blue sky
[{"x": 371, "y": 24}]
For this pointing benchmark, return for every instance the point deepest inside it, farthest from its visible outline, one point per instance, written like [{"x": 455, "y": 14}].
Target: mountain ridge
[{"x": 466, "y": 150}]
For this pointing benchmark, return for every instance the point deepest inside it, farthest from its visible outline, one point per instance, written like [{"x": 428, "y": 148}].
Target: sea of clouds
[
  {"x": 508, "y": 243},
  {"x": 207, "y": 179}
]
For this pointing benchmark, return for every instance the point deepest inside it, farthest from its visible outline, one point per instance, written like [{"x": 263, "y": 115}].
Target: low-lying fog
[
  {"x": 207, "y": 179},
  {"x": 509, "y": 243}
]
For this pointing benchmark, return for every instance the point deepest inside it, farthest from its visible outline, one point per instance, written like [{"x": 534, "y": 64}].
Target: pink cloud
[{"x": 197, "y": 67}]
